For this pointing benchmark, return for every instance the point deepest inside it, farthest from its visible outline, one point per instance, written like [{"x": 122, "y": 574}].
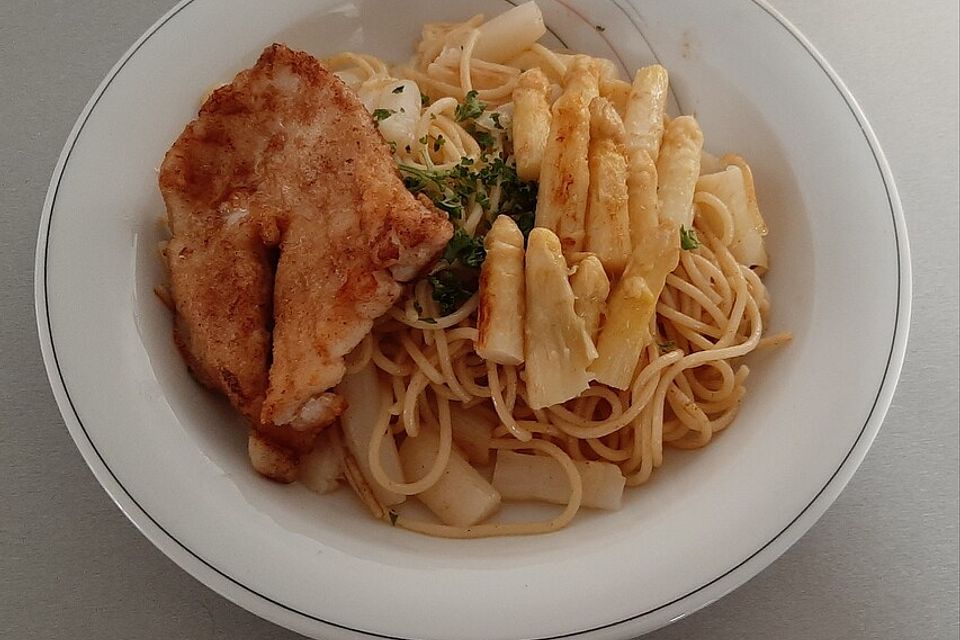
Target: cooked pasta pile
[{"x": 626, "y": 271}]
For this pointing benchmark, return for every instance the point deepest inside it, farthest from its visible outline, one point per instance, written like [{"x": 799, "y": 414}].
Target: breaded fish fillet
[{"x": 286, "y": 156}]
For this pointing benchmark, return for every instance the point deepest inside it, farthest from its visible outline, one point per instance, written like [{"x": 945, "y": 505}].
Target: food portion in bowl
[{"x": 497, "y": 272}]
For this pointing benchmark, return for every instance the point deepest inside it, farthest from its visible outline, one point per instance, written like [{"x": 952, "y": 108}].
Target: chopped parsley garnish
[
  {"x": 458, "y": 190},
  {"x": 450, "y": 190},
  {"x": 470, "y": 108},
  {"x": 518, "y": 198},
  {"x": 398, "y": 89},
  {"x": 600, "y": 28},
  {"x": 424, "y": 99},
  {"x": 688, "y": 239},
  {"x": 485, "y": 139},
  {"x": 451, "y": 288},
  {"x": 667, "y": 346},
  {"x": 438, "y": 143},
  {"x": 453, "y": 205},
  {"x": 466, "y": 249},
  {"x": 382, "y": 114},
  {"x": 495, "y": 116}
]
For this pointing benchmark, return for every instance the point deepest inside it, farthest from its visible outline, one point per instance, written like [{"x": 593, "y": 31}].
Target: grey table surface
[{"x": 882, "y": 562}]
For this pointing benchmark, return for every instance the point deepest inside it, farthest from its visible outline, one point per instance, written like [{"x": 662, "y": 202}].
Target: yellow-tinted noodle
[{"x": 688, "y": 385}]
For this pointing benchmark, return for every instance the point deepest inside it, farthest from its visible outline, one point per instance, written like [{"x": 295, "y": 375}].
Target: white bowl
[{"x": 173, "y": 457}]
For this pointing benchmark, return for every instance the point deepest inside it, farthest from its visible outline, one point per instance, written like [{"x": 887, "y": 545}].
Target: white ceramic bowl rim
[{"x": 240, "y": 593}]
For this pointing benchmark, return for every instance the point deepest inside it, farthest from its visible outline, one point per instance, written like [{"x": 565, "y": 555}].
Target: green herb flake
[
  {"x": 466, "y": 184},
  {"x": 452, "y": 204},
  {"x": 382, "y": 114},
  {"x": 600, "y": 28},
  {"x": 398, "y": 89},
  {"x": 465, "y": 249},
  {"x": 393, "y": 146},
  {"x": 518, "y": 198},
  {"x": 666, "y": 347},
  {"x": 688, "y": 239},
  {"x": 438, "y": 143},
  {"x": 470, "y": 108},
  {"x": 495, "y": 116},
  {"x": 449, "y": 190},
  {"x": 485, "y": 140},
  {"x": 429, "y": 320},
  {"x": 394, "y": 516},
  {"x": 483, "y": 199},
  {"x": 424, "y": 99},
  {"x": 451, "y": 289}
]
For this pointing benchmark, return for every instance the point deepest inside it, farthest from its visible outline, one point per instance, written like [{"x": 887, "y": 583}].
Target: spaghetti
[{"x": 689, "y": 383}]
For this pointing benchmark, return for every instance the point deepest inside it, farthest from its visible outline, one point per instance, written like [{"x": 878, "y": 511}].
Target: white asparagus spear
[
  {"x": 591, "y": 287},
  {"x": 557, "y": 347},
  {"x": 519, "y": 476},
  {"x": 364, "y": 395},
  {"x": 501, "y": 310},
  {"x": 461, "y": 497},
  {"x": 645, "y": 110},
  {"x": 608, "y": 217},
  {"x": 626, "y": 331},
  {"x": 642, "y": 200},
  {"x": 617, "y": 92},
  {"x": 473, "y": 431},
  {"x": 564, "y": 172},
  {"x": 729, "y": 186},
  {"x": 643, "y": 123},
  {"x": 531, "y": 122},
  {"x": 506, "y": 35},
  {"x": 678, "y": 168}
]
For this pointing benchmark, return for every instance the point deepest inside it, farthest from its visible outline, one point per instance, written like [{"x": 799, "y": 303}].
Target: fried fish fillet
[{"x": 286, "y": 156}]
